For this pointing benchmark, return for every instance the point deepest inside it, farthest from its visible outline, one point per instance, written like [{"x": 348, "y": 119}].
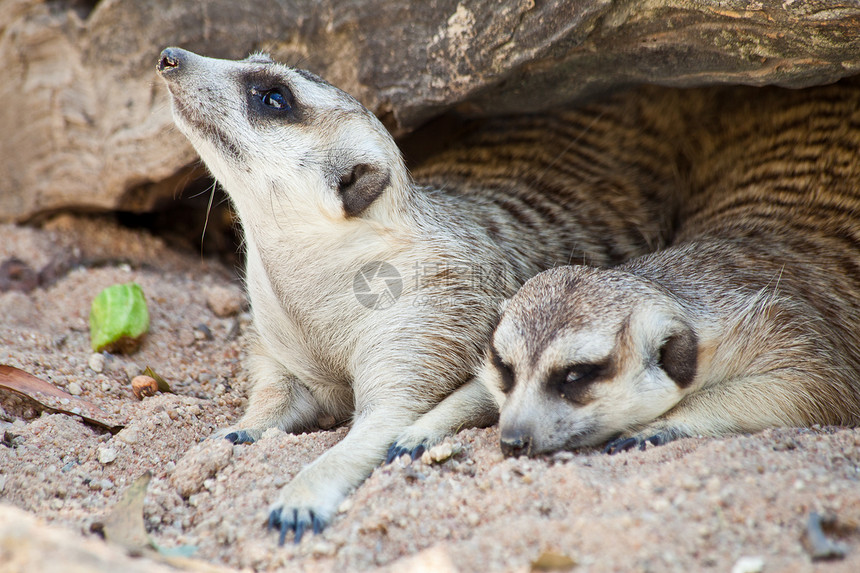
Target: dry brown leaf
[
  {"x": 553, "y": 561},
  {"x": 163, "y": 386},
  {"x": 124, "y": 524},
  {"x": 52, "y": 399}
]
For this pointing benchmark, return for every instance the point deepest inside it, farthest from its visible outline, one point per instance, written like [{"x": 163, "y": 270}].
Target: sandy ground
[{"x": 696, "y": 504}]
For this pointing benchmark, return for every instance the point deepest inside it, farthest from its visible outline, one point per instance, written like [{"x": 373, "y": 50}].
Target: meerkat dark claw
[
  {"x": 318, "y": 524},
  {"x": 418, "y": 451},
  {"x": 620, "y": 445},
  {"x": 396, "y": 450},
  {"x": 300, "y": 530},
  {"x": 239, "y": 437}
]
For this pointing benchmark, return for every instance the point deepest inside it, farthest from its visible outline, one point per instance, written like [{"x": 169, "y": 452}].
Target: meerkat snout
[
  {"x": 515, "y": 441},
  {"x": 283, "y": 142},
  {"x": 575, "y": 361},
  {"x": 169, "y": 59}
]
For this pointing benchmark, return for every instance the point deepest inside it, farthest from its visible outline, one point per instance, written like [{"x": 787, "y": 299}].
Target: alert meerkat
[
  {"x": 329, "y": 212},
  {"x": 749, "y": 320}
]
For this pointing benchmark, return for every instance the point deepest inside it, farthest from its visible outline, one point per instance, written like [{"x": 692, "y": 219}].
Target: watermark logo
[{"x": 377, "y": 285}]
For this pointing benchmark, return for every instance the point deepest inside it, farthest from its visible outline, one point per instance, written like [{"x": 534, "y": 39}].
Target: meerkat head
[
  {"x": 274, "y": 135},
  {"x": 581, "y": 355}
]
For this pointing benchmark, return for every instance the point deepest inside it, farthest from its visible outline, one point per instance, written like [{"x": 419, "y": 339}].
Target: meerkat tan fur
[
  {"x": 324, "y": 197},
  {"x": 750, "y": 320}
]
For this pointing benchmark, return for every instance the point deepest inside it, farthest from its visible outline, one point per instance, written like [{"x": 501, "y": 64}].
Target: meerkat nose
[
  {"x": 515, "y": 442},
  {"x": 171, "y": 58}
]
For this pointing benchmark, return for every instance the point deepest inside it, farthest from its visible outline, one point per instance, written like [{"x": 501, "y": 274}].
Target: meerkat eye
[
  {"x": 275, "y": 99},
  {"x": 506, "y": 373},
  {"x": 572, "y": 383},
  {"x": 582, "y": 373}
]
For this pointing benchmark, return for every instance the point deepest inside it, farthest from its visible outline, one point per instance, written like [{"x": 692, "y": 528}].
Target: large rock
[
  {"x": 86, "y": 123},
  {"x": 27, "y": 543}
]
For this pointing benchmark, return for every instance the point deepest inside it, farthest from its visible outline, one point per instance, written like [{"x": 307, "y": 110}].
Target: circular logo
[{"x": 377, "y": 285}]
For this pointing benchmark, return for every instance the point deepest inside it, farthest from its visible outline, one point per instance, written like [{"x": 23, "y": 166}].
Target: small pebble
[
  {"x": 74, "y": 389},
  {"x": 202, "y": 332},
  {"x": 187, "y": 338},
  {"x": 97, "y": 362},
  {"x": 107, "y": 455},
  {"x": 132, "y": 370},
  {"x": 128, "y": 435},
  {"x": 224, "y": 301},
  {"x": 323, "y": 549},
  {"x": 748, "y": 565},
  {"x": 345, "y": 506},
  {"x": 439, "y": 453}
]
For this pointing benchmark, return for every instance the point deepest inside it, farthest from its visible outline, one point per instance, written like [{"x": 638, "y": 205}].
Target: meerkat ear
[
  {"x": 361, "y": 186},
  {"x": 679, "y": 356}
]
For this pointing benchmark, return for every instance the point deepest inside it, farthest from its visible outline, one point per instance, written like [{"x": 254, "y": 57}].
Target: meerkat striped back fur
[
  {"x": 373, "y": 296},
  {"x": 748, "y": 321}
]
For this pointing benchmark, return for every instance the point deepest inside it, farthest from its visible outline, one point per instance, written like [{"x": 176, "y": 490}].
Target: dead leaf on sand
[
  {"x": 553, "y": 561},
  {"x": 52, "y": 399},
  {"x": 124, "y": 526}
]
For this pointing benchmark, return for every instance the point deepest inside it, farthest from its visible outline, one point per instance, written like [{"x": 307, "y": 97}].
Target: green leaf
[{"x": 118, "y": 319}]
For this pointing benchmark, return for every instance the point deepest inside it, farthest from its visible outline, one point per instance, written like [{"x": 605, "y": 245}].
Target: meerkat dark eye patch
[
  {"x": 506, "y": 373},
  {"x": 271, "y": 99},
  {"x": 361, "y": 186},
  {"x": 573, "y": 382}
]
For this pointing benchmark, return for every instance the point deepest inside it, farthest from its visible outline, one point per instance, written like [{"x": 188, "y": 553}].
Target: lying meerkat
[
  {"x": 750, "y": 320},
  {"x": 373, "y": 296}
]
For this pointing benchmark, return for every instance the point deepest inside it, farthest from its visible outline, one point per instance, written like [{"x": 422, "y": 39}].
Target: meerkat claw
[
  {"x": 239, "y": 437},
  {"x": 298, "y": 522},
  {"x": 396, "y": 450},
  {"x": 624, "y": 444},
  {"x": 621, "y": 445}
]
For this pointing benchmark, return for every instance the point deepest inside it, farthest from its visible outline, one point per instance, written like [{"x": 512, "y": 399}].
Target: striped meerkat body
[
  {"x": 748, "y": 321},
  {"x": 324, "y": 197}
]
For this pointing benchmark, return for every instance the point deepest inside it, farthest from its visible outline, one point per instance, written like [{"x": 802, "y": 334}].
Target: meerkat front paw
[
  {"x": 302, "y": 507},
  {"x": 656, "y": 434},
  {"x": 248, "y": 436},
  {"x": 470, "y": 406},
  {"x": 414, "y": 445},
  {"x": 622, "y": 444},
  {"x": 298, "y": 520}
]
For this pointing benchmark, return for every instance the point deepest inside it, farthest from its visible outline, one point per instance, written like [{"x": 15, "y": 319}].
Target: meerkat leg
[
  {"x": 470, "y": 406},
  {"x": 310, "y": 500},
  {"x": 744, "y": 405},
  {"x": 278, "y": 400}
]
